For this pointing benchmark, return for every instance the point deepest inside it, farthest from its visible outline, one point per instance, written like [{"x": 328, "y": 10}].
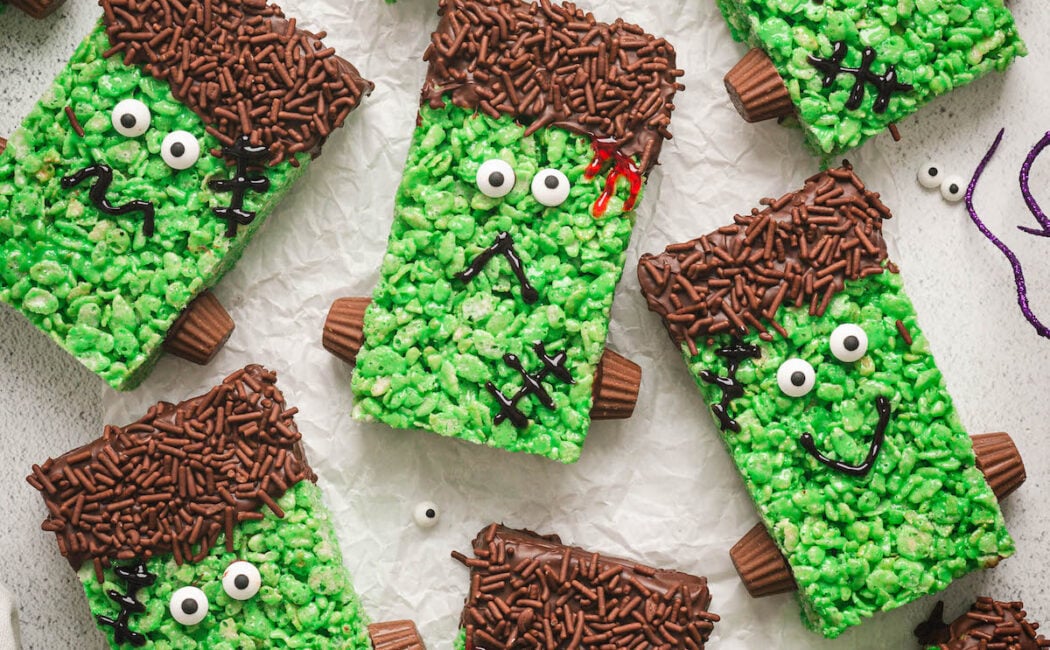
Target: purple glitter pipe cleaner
[
  {"x": 1022, "y": 293},
  {"x": 1026, "y": 192}
]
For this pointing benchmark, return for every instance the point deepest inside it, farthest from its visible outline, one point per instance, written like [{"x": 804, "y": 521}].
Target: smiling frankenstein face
[
  {"x": 832, "y": 406},
  {"x": 137, "y": 180}
]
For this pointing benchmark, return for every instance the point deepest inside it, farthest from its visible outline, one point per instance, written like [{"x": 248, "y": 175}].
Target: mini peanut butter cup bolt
[
  {"x": 798, "y": 332},
  {"x": 200, "y": 523},
  {"x": 537, "y": 128},
  {"x": 846, "y": 72},
  {"x": 37, "y": 8},
  {"x": 180, "y": 128}
]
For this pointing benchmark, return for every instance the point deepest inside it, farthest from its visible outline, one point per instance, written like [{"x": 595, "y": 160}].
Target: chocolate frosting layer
[
  {"x": 989, "y": 624},
  {"x": 242, "y": 67},
  {"x": 798, "y": 250},
  {"x": 531, "y": 591},
  {"x": 547, "y": 63},
  {"x": 175, "y": 479}
]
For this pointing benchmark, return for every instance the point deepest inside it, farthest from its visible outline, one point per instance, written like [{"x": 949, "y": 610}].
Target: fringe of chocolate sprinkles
[
  {"x": 989, "y": 625},
  {"x": 798, "y": 251},
  {"x": 528, "y": 591},
  {"x": 241, "y": 67},
  {"x": 178, "y": 478},
  {"x": 553, "y": 64}
]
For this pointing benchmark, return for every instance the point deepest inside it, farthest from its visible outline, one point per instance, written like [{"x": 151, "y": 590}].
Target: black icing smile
[
  {"x": 97, "y": 194},
  {"x": 882, "y": 405}
]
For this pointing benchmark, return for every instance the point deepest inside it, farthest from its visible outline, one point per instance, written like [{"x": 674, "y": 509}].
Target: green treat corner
[
  {"x": 306, "y": 599},
  {"x": 922, "y": 517},
  {"x": 432, "y": 341},
  {"x": 94, "y": 283},
  {"x": 935, "y": 46}
]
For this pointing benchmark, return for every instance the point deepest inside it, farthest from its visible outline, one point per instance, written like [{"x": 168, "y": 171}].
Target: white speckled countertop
[{"x": 615, "y": 500}]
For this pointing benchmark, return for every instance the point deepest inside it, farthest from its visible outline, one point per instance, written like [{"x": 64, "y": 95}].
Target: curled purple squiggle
[
  {"x": 1022, "y": 292},
  {"x": 1026, "y": 192}
]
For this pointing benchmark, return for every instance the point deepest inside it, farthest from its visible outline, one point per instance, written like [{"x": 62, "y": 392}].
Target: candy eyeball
[
  {"x": 188, "y": 605},
  {"x": 953, "y": 189},
  {"x": 550, "y": 187},
  {"x": 426, "y": 514},
  {"x": 796, "y": 377},
  {"x": 241, "y": 580},
  {"x": 180, "y": 150},
  {"x": 131, "y": 118},
  {"x": 848, "y": 342},
  {"x": 495, "y": 178},
  {"x": 930, "y": 175}
]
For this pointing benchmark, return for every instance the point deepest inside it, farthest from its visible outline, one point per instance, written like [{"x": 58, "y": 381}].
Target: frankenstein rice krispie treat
[
  {"x": 845, "y": 71},
  {"x": 530, "y": 591},
  {"x": 798, "y": 331},
  {"x": 200, "y": 526},
  {"x": 143, "y": 172},
  {"x": 537, "y": 128},
  {"x": 988, "y": 625}
]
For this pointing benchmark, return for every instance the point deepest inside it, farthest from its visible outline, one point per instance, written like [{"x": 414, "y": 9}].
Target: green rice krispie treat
[
  {"x": 845, "y": 70},
  {"x": 140, "y": 176},
  {"x": 537, "y": 129},
  {"x": 800, "y": 336},
  {"x": 200, "y": 526}
]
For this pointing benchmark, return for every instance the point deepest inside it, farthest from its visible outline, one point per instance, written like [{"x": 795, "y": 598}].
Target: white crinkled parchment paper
[{"x": 659, "y": 487}]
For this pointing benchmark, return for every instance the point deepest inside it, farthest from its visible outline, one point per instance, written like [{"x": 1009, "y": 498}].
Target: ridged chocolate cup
[
  {"x": 761, "y": 565},
  {"x": 3, "y": 144},
  {"x": 395, "y": 635},
  {"x": 1000, "y": 461},
  {"x": 344, "y": 332},
  {"x": 200, "y": 331},
  {"x": 37, "y": 8},
  {"x": 616, "y": 384},
  {"x": 757, "y": 89}
]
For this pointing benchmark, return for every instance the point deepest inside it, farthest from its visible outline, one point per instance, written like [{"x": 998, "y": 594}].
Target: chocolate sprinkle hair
[
  {"x": 798, "y": 251},
  {"x": 990, "y": 624},
  {"x": 176, "y": 479},
  {"x": 531, "y": 592},
  {"x": 242, "y": 67},
  {"x": 553, "y": 64}
]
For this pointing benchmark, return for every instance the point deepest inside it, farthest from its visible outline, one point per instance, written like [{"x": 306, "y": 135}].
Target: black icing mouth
[
  {"x": 97, "y": 194},
  {"x": 504, "y": 245},
  {"x": 882, "y": 405}
]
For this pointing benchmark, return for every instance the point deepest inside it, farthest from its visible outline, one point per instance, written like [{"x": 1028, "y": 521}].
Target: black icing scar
[
  {"x": 97, "y": 194},
  {"x": 734, "y": 353}
]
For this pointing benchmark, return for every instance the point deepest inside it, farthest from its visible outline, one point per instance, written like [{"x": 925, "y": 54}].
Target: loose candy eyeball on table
[
  {"x": 930, "y": 175},
  {"x": 426, "y": 514}
]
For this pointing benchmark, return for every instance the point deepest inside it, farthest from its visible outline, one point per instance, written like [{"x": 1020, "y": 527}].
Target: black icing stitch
[
  {"x": 734, "y": 353},
  {"x": 97, "y": 194},
  {"x": 136, "y": 576},
  {"x": 245, "y": 153},
  {"x": 504, "y": 246},
  {"x": 882, "y": 405},
  {"x": 886, "y": 84},
  {"x": 533, "y": 384}
]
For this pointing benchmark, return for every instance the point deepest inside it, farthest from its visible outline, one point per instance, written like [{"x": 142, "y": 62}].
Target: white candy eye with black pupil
[
  {"x": 131, "y": 118},
  {"x": 241, "y": 580},
  {"x": 952, "y": 189},
  {"x": 495, "y": 178},
  {"x": 188, "y": 605},
  {"x": 848, "y": 342},
  {"x": 426, "y": 514},
  {"x": 796, "y": 377},
  {"x": 550, "y": 187},
  {"x": 930, "y": 175},
  {"x": 180, "y": 150}
]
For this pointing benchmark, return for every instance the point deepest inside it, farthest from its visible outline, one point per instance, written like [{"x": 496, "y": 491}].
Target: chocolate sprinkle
[
  {"x": 528, "y": 591},
  {"x": 798, "y": 251},
  {"x": 553, "y": 64},
  {"x": 242, "y": 67},
  {"x": 177, "y": 479},
  {"x": 990, "y": 624}
]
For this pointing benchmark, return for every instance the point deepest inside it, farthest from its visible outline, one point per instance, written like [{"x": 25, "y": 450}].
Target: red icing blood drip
[{"x": 605, "y": 149}]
